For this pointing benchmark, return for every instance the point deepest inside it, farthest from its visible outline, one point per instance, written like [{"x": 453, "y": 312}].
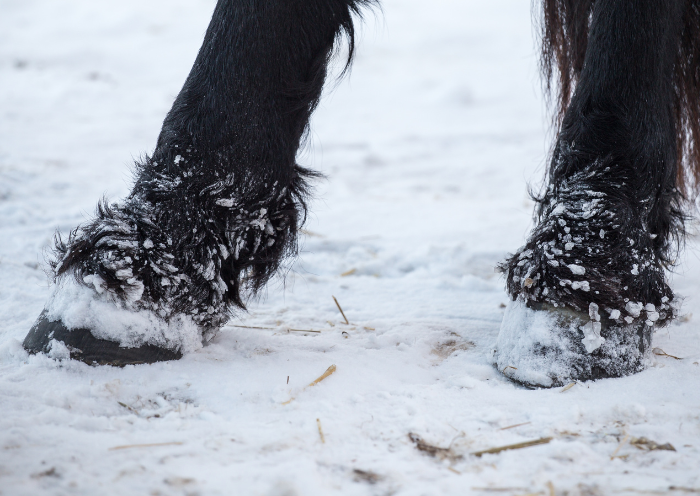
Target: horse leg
[
  {"x": 588, "y": 288},
  {"x": 216, "y": 208}
]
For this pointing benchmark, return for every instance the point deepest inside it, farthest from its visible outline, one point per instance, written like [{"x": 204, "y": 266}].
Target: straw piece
[
  {"x": 366, "y": 476},
  {"x": 622, "y": 443},
  {"x": 274, "y": 328},
  {"x": 567, "y": 387},
  {"x": 550, "y": 486},
  {"x": 152, "y": 445},
  {"x": 320, "y": 431},
  {"x": 341, "y": 310},
  {"x": 348, "y": 273},
  {"x": 127, "y": 407},
  {"x": 643, "y": 443},
  {"x": 430, "y": 449},
  {"x": 330, "y": 370},
  {"x": 498, "y": 489},
  {"x": 660, "y": 352},
  {"x": 514, "y": 426},
  {"x": 310, "y": 233},
  {"x": 254, "y": 327},
  {"x": 527, "y": 444}
]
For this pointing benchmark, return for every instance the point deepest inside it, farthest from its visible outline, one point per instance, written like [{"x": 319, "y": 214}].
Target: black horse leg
[
  {"x": 216, "y": 208},
  {"x": 589, "y": 286}
]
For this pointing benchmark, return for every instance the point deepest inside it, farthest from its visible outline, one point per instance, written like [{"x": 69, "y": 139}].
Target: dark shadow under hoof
[{"x": 87, "y": 348}]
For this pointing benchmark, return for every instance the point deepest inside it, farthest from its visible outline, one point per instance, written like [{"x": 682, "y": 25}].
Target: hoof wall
[
  {"x": 87, "y": 348},
  {"x": 550, "y": 347}
]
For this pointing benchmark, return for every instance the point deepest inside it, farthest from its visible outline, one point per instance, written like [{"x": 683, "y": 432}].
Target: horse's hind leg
[
  {"x": 216, "y": 208},
  {"x": 589, "y": 286}
]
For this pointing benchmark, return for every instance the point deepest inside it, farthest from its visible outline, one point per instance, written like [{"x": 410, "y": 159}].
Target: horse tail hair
[
  {"x": 687, "y": 102},
  {"x": 564, "y": 29}
]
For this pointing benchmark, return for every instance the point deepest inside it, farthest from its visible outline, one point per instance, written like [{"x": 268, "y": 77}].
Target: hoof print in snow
[
  {"x": 53, "y": 338},
  {"x": 547, "y": 346}
]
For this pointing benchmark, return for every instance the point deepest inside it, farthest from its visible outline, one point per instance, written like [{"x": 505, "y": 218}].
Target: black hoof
[
  {"x": 547, "y": 346},
  {"x": 87, "y": 348}
]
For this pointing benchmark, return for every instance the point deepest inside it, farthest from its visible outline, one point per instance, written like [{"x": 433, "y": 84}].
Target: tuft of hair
[
  {"x": 564, "y": 31},
  {"x": 687, "y": 101}
]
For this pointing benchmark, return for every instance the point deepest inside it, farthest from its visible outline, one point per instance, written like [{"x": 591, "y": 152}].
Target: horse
[{"x": 215, "y": 210}]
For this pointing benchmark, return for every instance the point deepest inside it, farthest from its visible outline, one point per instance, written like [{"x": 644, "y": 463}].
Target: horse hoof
[
  {"x": 85, "y": 347},
  {"x": 547, "y": 346}
]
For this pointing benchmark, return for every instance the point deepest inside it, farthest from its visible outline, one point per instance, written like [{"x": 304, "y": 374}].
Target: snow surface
[{"x": 428, "y": 148}]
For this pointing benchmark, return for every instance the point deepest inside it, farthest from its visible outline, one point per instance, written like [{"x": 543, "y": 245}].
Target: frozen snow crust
[
  {"x": 551, "y": 346},
  {"x": 78, "y": 306}
]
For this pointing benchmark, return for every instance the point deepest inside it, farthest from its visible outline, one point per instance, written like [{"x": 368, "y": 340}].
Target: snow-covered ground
[{"x": 428, "y": 148}]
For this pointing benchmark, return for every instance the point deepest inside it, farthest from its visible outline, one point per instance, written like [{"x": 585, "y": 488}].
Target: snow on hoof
[
  {"x": 84, "y": 323},
  {"x": 546, "y": 346},
  {"x": 55, "y": 339}
]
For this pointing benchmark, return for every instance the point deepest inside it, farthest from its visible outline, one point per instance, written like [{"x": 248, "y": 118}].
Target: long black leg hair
[
  {"x": 626, "y": 157},
  {"x": 216, "y": 208},
  {"x": 565, "y": 26}
]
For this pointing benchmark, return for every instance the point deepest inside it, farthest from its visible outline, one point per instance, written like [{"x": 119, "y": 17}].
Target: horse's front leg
[
  {"x": 215, "y": 210},
  {"x": 589, "y": 288}
]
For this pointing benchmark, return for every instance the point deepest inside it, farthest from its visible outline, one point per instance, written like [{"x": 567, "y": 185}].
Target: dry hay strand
[
  {"x": 499, "y": 489},
  {"x": 254, "y": 327},
  {"x": 302, "y": 330},
  {"x": 366, "y": 476},
  {"x": 619, "y": 447},
  {"x": 179, "y": 481},
  {"x": 131, "y": 409},
  {"x": 329, "y": 371},
  {"x": 526, "y": 444},
  {"x": 46, "y": 473},
  {"x": 447, "y": 348},
  {"x": 645, "y": 444},
  {"x": 288, "y": 329},
  {"x": 514, "y": 426},
  {"x": 151, "y": 445},
  {"x": 311, "y": 233},
  {"x": 320, "y": 431},
  {"x": 341, "y": 310},
  {"x": 432, "y": 450},
  {"x": 567, "y": 387},
  {"x": 660, "y": 352},
  {"x": 348, "y": 273}
]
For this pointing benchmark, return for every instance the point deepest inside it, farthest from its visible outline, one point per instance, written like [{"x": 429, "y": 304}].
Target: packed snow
[
  {"x": 80, "y": 306},
  {"x": 428, "y": 148}
]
